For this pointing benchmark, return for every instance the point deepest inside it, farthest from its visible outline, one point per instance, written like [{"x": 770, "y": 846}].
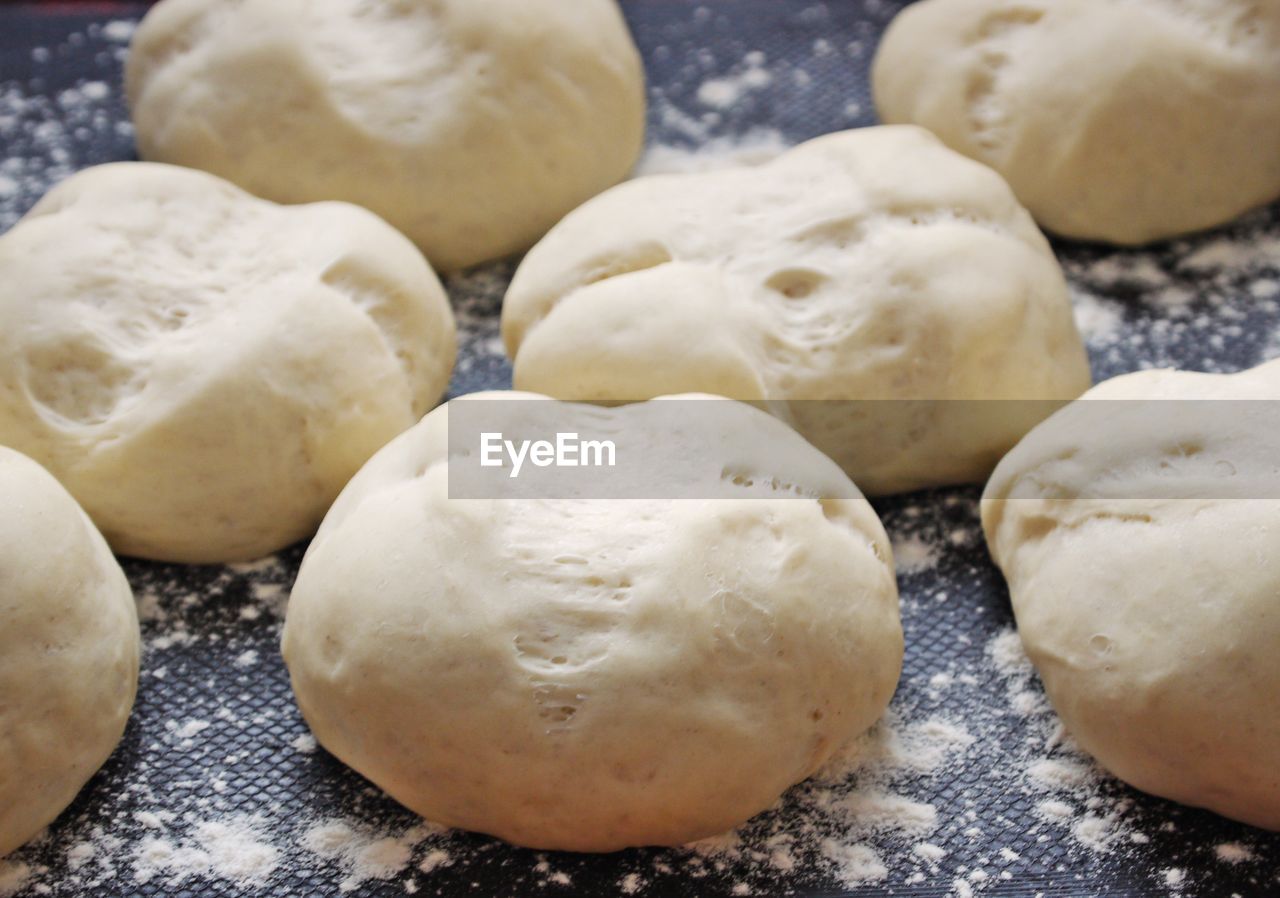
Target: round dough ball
[
  {"x": 1119, "y": 120},
  {"x": 204, "y": 370},
  {"x": 68, "y": 649},
  {"x": 1141, "y": 546},
  {"x": 594, "y": 674},
  {"x": 870, "y": 265},
  {"x": 470, "y": 125}
]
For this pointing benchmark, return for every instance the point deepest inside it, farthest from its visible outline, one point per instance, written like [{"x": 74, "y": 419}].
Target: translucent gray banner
[{"x": 707, "y": 448}]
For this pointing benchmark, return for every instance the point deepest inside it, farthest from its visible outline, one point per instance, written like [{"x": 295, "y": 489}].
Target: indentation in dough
[
  {"x": 780, "y": 354},
  {"x": 776, "y": 486},
  {"x": 1124, "y": 518},
  {"x": 566, "y": 636},
  {"x": 1035, "y": 527},
  {"x": 574, "y": 634},
  {"x": 1174, "y": 456},
  {"x": 383, "y": 303},
  {"x": 580, "y": 599},
  {"x": 996, "y": 44},
  {"x": 834, "y": 511},
  {"x": 555, "y": 646},
  {"x": 640, "y": 257},
  {"x": 810, "y": 321},
  {"x": 628, "y": 260},
  {"x": 387, "y": 64},
  {"x": 837, "y": 233},
  {"x": 79, "y": 381},
  {"x": 557, "y": 704},
  {"x": 796, "y": 283}
]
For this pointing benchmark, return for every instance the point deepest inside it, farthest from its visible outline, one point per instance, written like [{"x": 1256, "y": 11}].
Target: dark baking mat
[{"x": 968, "y": 788}]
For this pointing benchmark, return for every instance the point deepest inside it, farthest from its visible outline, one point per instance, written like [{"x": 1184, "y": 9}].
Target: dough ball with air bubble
[
  {"x": 204, "y": 370},
  {"x": 68, "y": 649},
  {"x": 868, "y": 265},
  {"x": 470, "y": 125},
  {"x": 1119, "y": 120},
  {"x": 1139, "y": 530},
  {"x": 590, "y": 674}
]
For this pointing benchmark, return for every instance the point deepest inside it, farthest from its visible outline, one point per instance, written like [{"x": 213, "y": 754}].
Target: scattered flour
[
  {"x": 1053, "y": 773},
  {"x": 190, "y": 729},
  {"x": 913, "y": 554},
  {"x": 1208, "y": 303},
  {"x": 1054, "y": 810},
  {"x": 363, "y": 854},
  {"x": 1233, "y": 853},
  {"x": 120, "y": 30},
  {"x": 756, "y": 147},
  {"x": 1100, "y": 320},
  {"x": 1096, "y": 832},
  {"x": 855, "y": 865},
  {"x": 235, "y": 849},
  {"x": 721, "y": 93},
  {"x": 930, "y": 852},
  {"x": 1226, "y": 255},
  {"x": 48, "y": 138},
  {"x": 1007, "y": 653},
  {"x": 435, "y": 859}
]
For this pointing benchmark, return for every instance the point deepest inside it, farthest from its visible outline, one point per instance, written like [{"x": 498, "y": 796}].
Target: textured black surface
[{"x": 212, "y": 633}]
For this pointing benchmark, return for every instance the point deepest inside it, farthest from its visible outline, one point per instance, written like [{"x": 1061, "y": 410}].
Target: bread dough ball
[
  {"x": 204, "y": 370},
  {"x": 1141, "y": 546},
  {"x": 592, "y": 674},
  {"x": 68, "y": 649},
  {"x": 470, "y": 125},
  {"x": 1119, "y": 120},
  {"x": 870, "y": 265}
]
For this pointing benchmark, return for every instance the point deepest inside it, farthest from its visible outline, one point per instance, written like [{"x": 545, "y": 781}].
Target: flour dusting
[
  {"x": 756, "y": 147},
  {"x": 235, "y": 849}
]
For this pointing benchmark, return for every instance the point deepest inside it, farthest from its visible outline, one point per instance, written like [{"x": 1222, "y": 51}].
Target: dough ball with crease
[
  {"x": 868, "y": 265},
  {"x": 68, "y": 649},
  {"x": 205, "y": 370},
  {"x": 590, "y": 674},
  {"x": 470, "y": 125},
  {"x": 1139, "y": 530},
  {"x": 1126, "y": 121}
]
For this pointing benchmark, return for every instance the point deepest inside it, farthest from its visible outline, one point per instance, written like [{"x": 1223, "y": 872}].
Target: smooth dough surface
[
  {"x": 868, "y": 265},
  {"x": 591, "y": 674},
  {"x": 68, "y": 649},
  {"x": 1141, "y": 542},
  {"x": 204, "y": 370},
  {"x": 1119, "y": 120},
  {"x": 470, "y": 125}
]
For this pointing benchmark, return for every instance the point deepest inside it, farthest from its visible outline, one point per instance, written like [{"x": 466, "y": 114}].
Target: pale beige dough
[
  {"x": 68, "y": 649},
  {"x": 470, "y": 125},
  {"x": 1141, "y": 542},
  {"x": 204, "y": 370},
  {"x": 1119, "y": 120},
  {"x": 869, "y": 265},
  {"x": 594, "y": 674}
]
